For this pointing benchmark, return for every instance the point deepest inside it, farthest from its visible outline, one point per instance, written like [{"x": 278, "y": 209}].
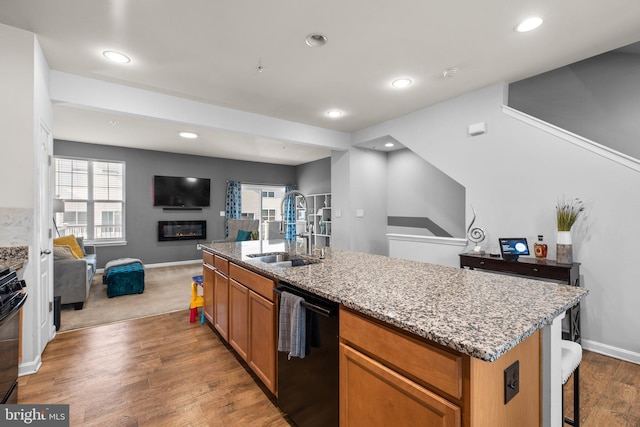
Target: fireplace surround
[{"x": 182, "y": 230}]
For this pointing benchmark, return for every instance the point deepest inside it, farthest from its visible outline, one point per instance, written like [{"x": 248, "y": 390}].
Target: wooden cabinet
[
  {"x": 252, "y": 322},
  {"x": 220, "y": 294},
  {"x": 373, "y": 394},
  {"x": 208, "y": 277},
  {"x": 262, "y": 339},
  {"x": 380, "y": 371},
  {"x": 239, "y": 318},
  {"x": 391, "y": 377},
  {"x": 221, "y": 304}
]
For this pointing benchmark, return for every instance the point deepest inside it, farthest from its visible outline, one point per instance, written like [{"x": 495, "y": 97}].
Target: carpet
[{"x": 166, "y": 289}]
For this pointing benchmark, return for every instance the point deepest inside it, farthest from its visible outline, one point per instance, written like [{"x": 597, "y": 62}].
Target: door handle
[{"x": 46, "y": 252}]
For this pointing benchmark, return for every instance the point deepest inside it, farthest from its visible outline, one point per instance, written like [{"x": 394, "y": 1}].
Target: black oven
[{"x": 12, "y": 298}]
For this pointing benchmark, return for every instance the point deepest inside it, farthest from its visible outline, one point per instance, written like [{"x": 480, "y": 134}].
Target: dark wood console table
[{"x": 533, "y": 268}]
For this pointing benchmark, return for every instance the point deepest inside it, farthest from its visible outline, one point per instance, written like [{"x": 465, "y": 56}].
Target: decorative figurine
[{"x": 476, "y": 235}]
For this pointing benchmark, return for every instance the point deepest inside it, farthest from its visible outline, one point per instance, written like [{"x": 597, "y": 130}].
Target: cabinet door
[
  {"x": 372, "y": 394},
  {"x": 262, "y": 348},
  {"x": 239, "y": 318},
  {"x": 221, "y": 304},
  {"x": 207, "y": 287}
]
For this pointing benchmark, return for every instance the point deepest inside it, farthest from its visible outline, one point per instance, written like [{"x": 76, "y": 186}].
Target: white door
[{"x": 44, "y": 212}]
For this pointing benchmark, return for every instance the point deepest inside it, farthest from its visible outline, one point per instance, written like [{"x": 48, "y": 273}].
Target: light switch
[
  {"x": 359, "y": 213},
  {"x": 338, "y": 213},
  {"x": 222, "y": 213}
]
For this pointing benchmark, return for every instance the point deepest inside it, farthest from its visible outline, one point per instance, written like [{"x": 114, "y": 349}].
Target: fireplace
[{"x": 182, "y": 230}]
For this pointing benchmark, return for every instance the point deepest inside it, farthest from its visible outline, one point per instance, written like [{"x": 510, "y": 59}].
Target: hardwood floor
[
  {"x": 165, "y": 371},
  {"x": 155, "y": 371},
  {"x": 609, "y": 392}
]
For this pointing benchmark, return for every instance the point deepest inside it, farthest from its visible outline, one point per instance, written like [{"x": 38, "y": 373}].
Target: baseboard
[
  {"x": 611, "y": 351},
  {"x": 28, "y": 368},
  {"x": 164, "y": 264},
  {"x": 173, "y": 264}
]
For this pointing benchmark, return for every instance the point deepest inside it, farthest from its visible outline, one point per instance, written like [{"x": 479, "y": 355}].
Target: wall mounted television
[{"x": 181, "y": 192}]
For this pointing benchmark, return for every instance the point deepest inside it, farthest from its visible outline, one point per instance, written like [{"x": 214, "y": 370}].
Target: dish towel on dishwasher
[{"x": 292, "y": 325}]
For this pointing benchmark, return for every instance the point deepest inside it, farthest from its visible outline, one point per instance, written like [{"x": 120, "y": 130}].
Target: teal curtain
[
  {"x": 233, "y": 208},
  {"x": 290, "y": 214}
]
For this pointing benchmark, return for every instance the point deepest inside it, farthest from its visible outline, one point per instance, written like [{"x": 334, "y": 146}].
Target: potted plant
[{"x": 567, "y": 213}]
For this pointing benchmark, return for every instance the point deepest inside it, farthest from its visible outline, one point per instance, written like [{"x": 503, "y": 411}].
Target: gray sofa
[{"x": 72, "y": 277}]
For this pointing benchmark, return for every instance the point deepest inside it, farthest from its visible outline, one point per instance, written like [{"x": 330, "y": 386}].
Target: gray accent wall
[
  {"x": 419, "y": 191},
  {"x": 598, "y": 98},
  {"x": 314, "y": 177},
  {"x": 142, "y": 217}
]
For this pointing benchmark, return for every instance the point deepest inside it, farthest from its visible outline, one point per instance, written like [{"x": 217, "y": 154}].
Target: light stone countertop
[
  {"x": 13, "y": 257},
  {"x": 478, "y": 313}
]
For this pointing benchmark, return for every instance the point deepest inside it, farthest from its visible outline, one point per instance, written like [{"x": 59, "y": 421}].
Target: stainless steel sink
[
  {"x": 283, "y": 259},
  {"x": 271, "y": 258}
]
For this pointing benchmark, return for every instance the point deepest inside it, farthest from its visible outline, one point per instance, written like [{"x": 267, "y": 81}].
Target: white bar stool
[{"x": 571, "y": 358}]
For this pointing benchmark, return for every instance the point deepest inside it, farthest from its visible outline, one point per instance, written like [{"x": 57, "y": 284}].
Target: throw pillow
[
  {"x": 63, "y": 252},
  {"x": 243, "y": 235},
  {"x": 255, "y": 235},
  {"x": 71, "y": 242},
  {"x": 80, "y": 241}
]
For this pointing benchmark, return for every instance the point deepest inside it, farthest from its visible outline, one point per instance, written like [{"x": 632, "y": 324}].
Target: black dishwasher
[{"x": 308, "y": 387}]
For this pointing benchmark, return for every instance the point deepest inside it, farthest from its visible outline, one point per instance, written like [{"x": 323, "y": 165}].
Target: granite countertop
[
  {"x": 13, "y": 257},
  {"x": 478, "y": 313}
]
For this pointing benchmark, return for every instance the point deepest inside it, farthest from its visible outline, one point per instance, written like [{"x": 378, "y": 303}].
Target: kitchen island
[{"x": 475, "y": 316}]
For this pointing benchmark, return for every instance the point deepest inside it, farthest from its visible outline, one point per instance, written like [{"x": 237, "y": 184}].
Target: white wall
[
  {"x": 359, "y": 183},
  {"x": 16, "y": 120},
  {"x": 514, "y": 175},
  {"x": 340, "y": 203},
  {"x": 24, "y": 104}
]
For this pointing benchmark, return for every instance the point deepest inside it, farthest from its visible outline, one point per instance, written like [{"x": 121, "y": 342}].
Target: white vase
[
  {"x": 564, "y": 250},
  {"x": 564, "y": 238}
]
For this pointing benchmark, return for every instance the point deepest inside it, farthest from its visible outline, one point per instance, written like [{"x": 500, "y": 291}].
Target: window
[
  {"x": 94, "y": 202},
  {"x": 268, "y": 214},
  {"x": 263, "y": 202}
]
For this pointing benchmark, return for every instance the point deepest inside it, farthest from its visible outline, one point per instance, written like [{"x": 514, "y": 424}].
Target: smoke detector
[{"x": 315, "y": 40}]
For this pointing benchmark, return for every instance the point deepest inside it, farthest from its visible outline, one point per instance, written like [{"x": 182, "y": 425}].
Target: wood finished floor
[
  {"x": 165, "y": 371},
  {"x": 155, "y": 371},
  {"x": 609, "y": 392}
]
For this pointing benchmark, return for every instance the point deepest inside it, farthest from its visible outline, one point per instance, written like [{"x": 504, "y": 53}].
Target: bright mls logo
[{"x": 35, "y": 415}]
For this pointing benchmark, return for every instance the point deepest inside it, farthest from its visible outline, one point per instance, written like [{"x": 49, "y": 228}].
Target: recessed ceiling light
[
  {"x": 118, "y": 57},
  {"x": 315, "y": 40},
  {"x": 529, "y": 24},
  {"x": 389, "y": 144},
  {"x": 401, "y": 83},
  {"x": 188, "y": 135},
  {"x": 334, "y": 114}
]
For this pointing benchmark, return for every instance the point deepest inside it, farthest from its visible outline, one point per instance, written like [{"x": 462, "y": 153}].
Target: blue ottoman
[{"x": 125, "y": 280}]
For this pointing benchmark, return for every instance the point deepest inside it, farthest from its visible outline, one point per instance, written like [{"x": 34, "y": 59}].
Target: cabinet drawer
[
  {"x": 531, "y": 269},
  {"x": 257, "y": 283},
  {"x": 221, "y": 264},
  {"x": 425, "y": 363},
  {"x": 207, "y": 257}
]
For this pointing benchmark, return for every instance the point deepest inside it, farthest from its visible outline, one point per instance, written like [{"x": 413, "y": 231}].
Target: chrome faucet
[{"x": 308, "y": 224}]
